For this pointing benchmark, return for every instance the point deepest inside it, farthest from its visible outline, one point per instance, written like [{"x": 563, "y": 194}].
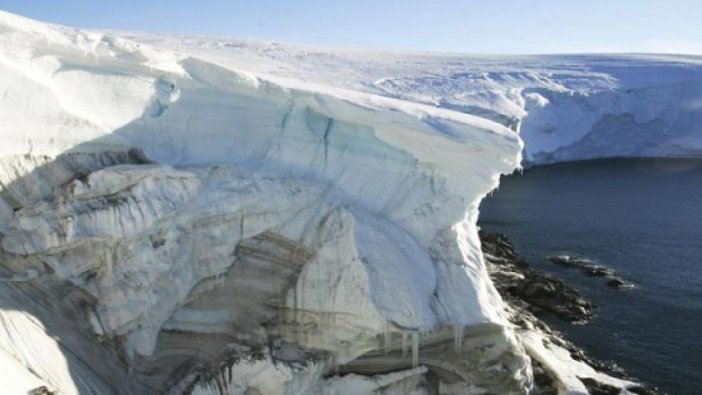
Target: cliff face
[{"x": 172, "y": 225}]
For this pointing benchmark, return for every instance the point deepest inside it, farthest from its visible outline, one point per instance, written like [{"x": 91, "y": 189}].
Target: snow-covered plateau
[
  {"x": 208, "y": 216},
  {"x": 565, "y": 107}
]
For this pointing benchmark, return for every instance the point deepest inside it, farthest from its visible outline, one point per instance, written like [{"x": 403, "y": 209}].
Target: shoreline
[
  {"x": 643, "y": 160},
  {"x": 557, "y": 362}
]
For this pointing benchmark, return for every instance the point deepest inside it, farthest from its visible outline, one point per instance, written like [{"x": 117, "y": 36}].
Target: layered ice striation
[{"x": 169, "y": 224}]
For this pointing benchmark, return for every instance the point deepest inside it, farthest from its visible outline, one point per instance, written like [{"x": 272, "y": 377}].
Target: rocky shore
[
  {"x": 529, "y": 294},
  {"x": 591, "y": 269},
  {"x": 531, "y": 290}
]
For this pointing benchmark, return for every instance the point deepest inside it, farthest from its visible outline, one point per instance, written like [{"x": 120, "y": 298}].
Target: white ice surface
[
  {"x": 382, "y": 191},
  {"x": 566, "y": 107}
]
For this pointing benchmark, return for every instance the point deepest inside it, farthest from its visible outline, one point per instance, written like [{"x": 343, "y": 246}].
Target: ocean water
[{"x": 641, "y": 217}]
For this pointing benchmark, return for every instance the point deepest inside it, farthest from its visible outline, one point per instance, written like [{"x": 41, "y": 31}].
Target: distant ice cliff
[{"x": 565, "y": 107}]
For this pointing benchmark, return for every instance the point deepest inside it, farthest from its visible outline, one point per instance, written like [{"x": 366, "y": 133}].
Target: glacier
[
  {"x": 192, "y": 215},
  {"x": 565, "y": 107}
]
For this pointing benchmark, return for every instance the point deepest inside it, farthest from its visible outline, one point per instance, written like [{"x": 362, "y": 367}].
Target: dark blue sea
[{"x": 641, "y": 217}]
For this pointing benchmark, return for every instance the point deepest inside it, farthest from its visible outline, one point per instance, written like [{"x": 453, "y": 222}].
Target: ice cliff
[
  {"x": 175, "y": 222},
  {"x": 163, "y": 218}
]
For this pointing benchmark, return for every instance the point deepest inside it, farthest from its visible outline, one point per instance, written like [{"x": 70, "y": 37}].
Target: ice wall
[{"x": 195, "y": 214}]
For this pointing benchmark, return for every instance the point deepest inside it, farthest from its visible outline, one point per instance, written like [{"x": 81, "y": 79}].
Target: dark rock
[
  {"x": 519, "y": 321},
  {"x": 597, "y": 388},
  {"x": 587, "y": 267},
  {"x": 544, "y": 383},
  {"x": 566, "y": 261},
  {"x": 513, "y": 276},
  {"x": 596, "y": 271},
  {"x": 579, "y": 355},
  {"x": 535, "y": 289},
  {"x": 615, "y": 283},
  {"x": 530, "y": 293},
  {"x": 642, "y": 390},
  {"x": 41, "y": 391},
  {"x": 498, "y": 245}
]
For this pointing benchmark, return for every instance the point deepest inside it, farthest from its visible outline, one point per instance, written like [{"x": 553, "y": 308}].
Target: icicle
[
  {"x": 328, "y": 364},
  {"x": 333, "y": 365},
  {"x": 458, "y": 338},
  {"x": 296, "y": 307},
  {"x": 386, "y": 340},
  {"x": 404, "y": 344},
  {"x": 415, "y": 349},
  {"x": 322, "y": 302}
]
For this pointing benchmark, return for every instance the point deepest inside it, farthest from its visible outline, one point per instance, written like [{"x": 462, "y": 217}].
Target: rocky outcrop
[
  {"x": 545, "y": 346},
  {"x": 592, "y": 269},
  {"x": 517, "y": 282}
]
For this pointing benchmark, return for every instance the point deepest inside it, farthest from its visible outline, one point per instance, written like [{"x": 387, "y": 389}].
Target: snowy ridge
[{"x": 189, "y": 210}]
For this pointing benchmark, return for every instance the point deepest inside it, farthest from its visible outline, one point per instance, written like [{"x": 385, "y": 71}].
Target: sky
[{"x": 468, "y": 26}]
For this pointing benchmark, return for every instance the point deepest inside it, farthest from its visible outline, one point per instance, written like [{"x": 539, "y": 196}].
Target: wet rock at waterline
[
  {"x": 592, "y": 269},
  {"x": 514, "y": 277}
]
